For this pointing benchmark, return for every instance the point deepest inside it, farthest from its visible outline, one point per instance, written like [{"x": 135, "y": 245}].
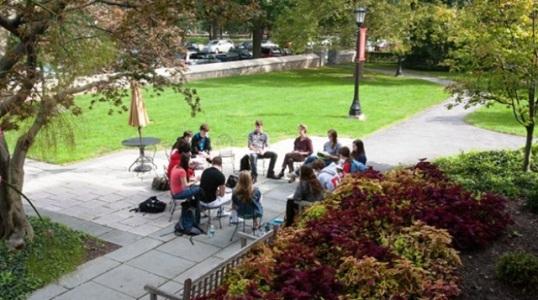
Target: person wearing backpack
[
  {"x": 348, "y": 164},
  {"x": 246, "y": 199},
  {"x": 181, "y": 184}
]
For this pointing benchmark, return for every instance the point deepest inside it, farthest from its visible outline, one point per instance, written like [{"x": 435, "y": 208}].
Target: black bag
[
  {"x": 151, "y": 205},
  {"x": 189, "y": 220},
  {"x": 244, "y": 163},
  {"x": 232, "y": 180},
  {"x": 160, "y": 183}
]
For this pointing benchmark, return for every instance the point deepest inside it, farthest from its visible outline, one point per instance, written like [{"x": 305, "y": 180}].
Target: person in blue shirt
[{"x": 200, "y": 143}]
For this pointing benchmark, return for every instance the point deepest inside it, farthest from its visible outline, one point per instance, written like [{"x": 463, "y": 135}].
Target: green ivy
[
  {"x": 54, "y": 251},
  {"x": 495, "y": 171}
]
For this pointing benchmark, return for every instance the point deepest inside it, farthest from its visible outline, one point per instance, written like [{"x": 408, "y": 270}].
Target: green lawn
[
  {"x": 319, "y": 98},
  {"x": 496, "y": 118}
]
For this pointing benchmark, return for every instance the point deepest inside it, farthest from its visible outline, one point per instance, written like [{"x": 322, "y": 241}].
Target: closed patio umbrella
[{"x": 138, "y": 118}]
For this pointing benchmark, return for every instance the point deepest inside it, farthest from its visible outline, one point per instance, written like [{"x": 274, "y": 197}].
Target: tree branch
[
  {"x": 11, "y": 25},
  {"x": 124, "y": 4}
]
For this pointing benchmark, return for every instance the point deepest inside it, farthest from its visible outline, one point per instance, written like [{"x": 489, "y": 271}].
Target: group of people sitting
[{"x": 320, "y": 173}]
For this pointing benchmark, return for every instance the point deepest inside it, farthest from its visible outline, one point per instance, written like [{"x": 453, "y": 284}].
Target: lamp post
[{"x": 355, "y": 109}]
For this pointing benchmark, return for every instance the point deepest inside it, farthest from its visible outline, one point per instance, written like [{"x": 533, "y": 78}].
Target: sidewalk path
[{"x": 95, "y": 196}]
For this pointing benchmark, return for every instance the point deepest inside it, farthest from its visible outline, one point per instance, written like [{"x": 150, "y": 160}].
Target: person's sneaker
[
  {"x": 292, "y": 178},
  {"x": 280, "y": 175},
  {"x": 272, "y": 176}
]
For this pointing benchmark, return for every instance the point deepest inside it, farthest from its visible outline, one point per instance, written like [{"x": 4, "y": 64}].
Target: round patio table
[{"x": 143, "y": 163}]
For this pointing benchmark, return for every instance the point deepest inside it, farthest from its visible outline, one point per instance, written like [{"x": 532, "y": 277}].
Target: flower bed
[{"x": 378, "y": 236}]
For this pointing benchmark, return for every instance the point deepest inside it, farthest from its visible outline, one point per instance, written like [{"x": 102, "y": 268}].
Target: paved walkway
[{"x": 95, "y": 196}]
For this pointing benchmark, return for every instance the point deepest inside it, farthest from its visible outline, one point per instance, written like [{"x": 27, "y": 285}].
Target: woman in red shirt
[
  {"x": 181, "y": 187},
  {"x": 182, "y": 145}
]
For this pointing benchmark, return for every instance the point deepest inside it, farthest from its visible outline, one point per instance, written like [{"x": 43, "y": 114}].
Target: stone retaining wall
[{"x": 252, "y": 66}]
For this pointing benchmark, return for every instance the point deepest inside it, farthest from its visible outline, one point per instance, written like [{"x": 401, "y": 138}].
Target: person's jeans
[
  {"x": 291, "y": 210},
  {"x": 189, "y": 192},
  {"x": 289, "y": 159},
  {"x": 254, "y": 160}
]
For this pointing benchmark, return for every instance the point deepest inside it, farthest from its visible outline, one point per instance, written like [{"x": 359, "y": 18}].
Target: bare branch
[{"x": 124, "y": 4}]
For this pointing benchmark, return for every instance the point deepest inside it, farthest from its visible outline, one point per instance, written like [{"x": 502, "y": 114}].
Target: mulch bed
[
  {"x": 478, "y": 272},
  {"x": 95, "y": 248}
]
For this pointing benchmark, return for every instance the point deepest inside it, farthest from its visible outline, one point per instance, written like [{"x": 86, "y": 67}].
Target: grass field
[
  {"x": 496, "y": 118},
  {"x": 319, "y": 98}
]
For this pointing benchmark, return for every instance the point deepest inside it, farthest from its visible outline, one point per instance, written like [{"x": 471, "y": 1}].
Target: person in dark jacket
[
  {"x": 308, "y": 189},
  {"x": 200, "y": 143},
  {"x": 302, "y": 148}
]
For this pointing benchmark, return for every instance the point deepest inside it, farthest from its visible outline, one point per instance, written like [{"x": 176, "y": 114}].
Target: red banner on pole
[{"x": 362, "y": 45}]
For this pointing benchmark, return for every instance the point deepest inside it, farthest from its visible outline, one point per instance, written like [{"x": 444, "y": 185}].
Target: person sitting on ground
[
  {"x": 212, "y": 183},
  {"x": 328, "y": 176},
  {"x": 358, "y": 152},
  {"x": 181, "y": 183},
  {"x": 246, "y": 198},
  {"x": 182, "y": 145},
  {"x": 308, "y": 189},
  {"x": 258, "y": 142},
  {"x": 201, "y": 144},
  {"x": 302, "y": 148}
]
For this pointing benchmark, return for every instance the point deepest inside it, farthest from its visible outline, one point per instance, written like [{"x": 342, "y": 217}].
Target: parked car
[
  {"x": 235, "y": 54},
  {"x": 218, "y": 46},
  {"x": 272, "y": 52},
  {"x": 199, "y": 58},
  {"x": 269, "y": 44},
  {"x": 194, "y": 46}
]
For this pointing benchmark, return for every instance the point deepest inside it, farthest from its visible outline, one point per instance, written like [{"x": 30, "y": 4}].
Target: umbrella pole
[{"x": 141, "y": 146}]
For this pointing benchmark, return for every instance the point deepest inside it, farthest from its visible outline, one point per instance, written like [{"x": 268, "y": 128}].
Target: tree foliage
[
  {"x": 497, "y": 47},
  {"x": 56, "y": 49}
]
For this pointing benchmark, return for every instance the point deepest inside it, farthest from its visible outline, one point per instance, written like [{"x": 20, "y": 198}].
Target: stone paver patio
[{"x": 95, "y": 197}]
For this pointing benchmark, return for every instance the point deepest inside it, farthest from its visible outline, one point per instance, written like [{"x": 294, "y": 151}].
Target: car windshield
[{"x": 213, "y": 42}]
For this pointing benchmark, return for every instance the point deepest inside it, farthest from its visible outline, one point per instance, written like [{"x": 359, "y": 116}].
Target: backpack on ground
[
  {"x": 189, "y": 219},
  {"x": 357, "y": 166},
  {"x": 160, "y": 183},
  {"x": 151, "y": 205}
]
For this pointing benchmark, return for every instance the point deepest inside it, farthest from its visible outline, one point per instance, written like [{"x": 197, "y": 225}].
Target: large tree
[
  {"x": 56, "y": 49},
  {"x": 497, "y": 48}
]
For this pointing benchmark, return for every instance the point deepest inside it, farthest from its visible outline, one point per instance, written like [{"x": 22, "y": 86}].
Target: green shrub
[
  {"x": 494, "y": 171},
  {"x": 54, "y": 251},
  {"x": 518, "y": 269}
]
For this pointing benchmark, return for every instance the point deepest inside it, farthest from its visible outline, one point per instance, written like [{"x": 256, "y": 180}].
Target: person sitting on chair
[
  {"x": 308, "y": 189},
  {"x": 258, "y": 142},
  {"x": 329, "y": 176},
  {"x": 302, "y": 148},
  {"x": 348, "y": 164},
  {"x": 201, "y": 144},
  {"x": 181, "y": 183},
  {"x": 246, "y": 199},
  {"x": 182, "y": 145},
  {"x": 358, "y": 152},
  {"x": 212, "y": 184}
]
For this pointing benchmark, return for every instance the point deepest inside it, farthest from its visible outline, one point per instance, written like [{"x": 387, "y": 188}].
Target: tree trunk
[
  {"x": 257, "y": 36},
  {"x": 214, "y": 30},
  {"x": 14, "y": 226},
  {"x": 399, "y": 70},
  {"x": 528, "y": 148}
]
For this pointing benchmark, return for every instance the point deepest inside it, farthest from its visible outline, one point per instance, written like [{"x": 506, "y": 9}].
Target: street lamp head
[{"x": 360, "y": 14}]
